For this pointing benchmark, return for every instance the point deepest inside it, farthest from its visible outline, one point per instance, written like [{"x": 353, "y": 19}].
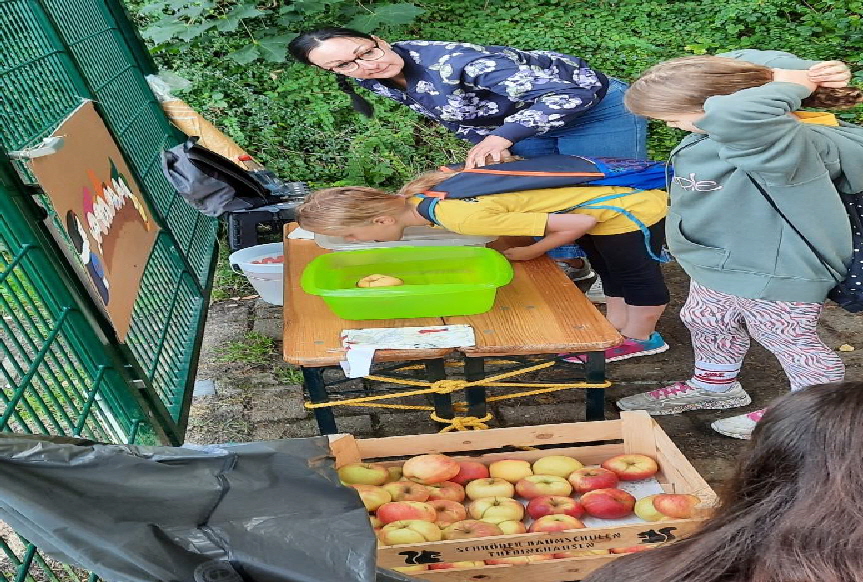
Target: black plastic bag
[
  {"x": 255, "y": 512},
  {"x": 211, "y": 183}
]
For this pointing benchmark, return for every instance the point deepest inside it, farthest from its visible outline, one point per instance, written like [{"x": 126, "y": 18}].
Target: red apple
[
  {"x": 406, "y": 510},
  {"x": 496, "y": 509},
  {"x": 470, "y": 528},
  {"x": 428, "y": 469},
  {"x": 666, "y": 506},
  {"x": 558, "y": 465},
  {"x": 470, "y": 470},
  {"x": 555, "y": 522},
  {"x": 676, "y": 505},
  {"x": 607, "y": 503},
  {"x": 446, "y": 490},
  {"x": 512, "y": 470},
  {"x": 630, "y": 549},
  {"x": 538, "y": 485},
  {"x": 590, "y": 478},
  {"x": 464, "y": 564},
  {"x": 554, "y": 505},
  {"x": 448, "y": 512},
  {"x": 632, "y": 466},
  {"x": 373, "y": 496},
  {"x": 407, "y": 491},
  {"x": 363, "y": 474},
  {"x": 409, "y": 531},
  {"x": 520, "y": 559},
  {"x": 490, "y": 487}
]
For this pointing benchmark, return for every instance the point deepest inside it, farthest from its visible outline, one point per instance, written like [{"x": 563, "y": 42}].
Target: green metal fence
[{"x": 61, "y": 370}]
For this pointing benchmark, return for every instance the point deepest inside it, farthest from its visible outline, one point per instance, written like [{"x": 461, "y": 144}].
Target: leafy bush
[{"x": 297, "y": 122}]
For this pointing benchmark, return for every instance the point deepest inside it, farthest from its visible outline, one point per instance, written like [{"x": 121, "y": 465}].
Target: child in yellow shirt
[{"x": 618, "y": 250}]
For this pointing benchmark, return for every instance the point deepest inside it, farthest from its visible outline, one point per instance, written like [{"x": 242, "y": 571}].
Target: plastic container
[
  {"x": 414, "y": 236},
  {"x": 438, "y": 281},
  {"x": 266, "y": 278}
]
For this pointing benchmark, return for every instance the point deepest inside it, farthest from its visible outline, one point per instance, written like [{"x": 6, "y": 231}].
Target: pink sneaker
[
  {"x": 738, "y": 427},
  {"x": 630, "y": 348}
]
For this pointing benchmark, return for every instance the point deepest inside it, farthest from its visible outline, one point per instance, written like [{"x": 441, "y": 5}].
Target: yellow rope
[{"x": 447, "y": 386}]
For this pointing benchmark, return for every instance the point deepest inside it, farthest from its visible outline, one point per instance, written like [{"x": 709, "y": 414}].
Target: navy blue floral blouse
[{"x": 476, "y": 90}]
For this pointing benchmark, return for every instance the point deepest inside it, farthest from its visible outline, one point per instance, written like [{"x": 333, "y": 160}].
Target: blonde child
[
  {"x": 747, "y": 265},
  {"x": 615, "y": 245}
]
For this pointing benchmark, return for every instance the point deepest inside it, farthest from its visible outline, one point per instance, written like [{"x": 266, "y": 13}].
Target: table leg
[
  {"x": 313, "y": 378},
  {"x": 436, "y": 370},
  {"x": 474, "y": 369},
  {"x": 594, "y": 398}
]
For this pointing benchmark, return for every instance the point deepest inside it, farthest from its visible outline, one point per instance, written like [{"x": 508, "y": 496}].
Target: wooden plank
[
  {"x": 591, "y": 538},
  {"x": 540, "y": 312},
  {"x": 312, "y": 331},
  {"x": 549, "y": 571},
  {"x": 590, "y": 455},
  {"x": 670, "y": 456},
  {"x": 638, "y": 433},
  {"x": 545, "y": 434}
]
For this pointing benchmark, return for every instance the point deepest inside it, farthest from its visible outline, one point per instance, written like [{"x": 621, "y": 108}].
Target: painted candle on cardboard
[{"x": 105, "y": 215}]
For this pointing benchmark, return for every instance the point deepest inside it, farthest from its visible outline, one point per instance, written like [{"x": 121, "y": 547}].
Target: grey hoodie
[{"x": 723, "y": 232}]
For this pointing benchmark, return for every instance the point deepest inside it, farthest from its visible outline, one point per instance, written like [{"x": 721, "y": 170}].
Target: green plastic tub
[{"x": 438, "y": 281}]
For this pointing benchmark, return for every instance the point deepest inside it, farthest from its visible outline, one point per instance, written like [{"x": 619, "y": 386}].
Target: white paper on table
[{"x": 360, "y": 344}]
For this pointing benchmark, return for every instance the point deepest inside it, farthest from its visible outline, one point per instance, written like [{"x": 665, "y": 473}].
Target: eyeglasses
[{"x": 372, "y": 53}]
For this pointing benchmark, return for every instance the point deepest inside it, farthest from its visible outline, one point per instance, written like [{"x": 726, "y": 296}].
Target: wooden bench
[{"x": 539, "y": 312}]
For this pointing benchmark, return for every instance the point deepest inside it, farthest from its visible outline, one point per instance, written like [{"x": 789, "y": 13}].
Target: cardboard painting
[{"x": 102, "y": 210}]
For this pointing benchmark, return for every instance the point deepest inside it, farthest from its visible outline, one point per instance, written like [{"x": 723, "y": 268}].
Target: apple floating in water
[{"x": 378, "y": 280}]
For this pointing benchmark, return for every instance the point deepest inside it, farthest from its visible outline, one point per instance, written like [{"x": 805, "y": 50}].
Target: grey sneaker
[
  {"x": 595, "y": 293},
  {"x": 583, "y": 277},
  {"x": 740, "y": 426},
  {"x": 680, "y": 397}
]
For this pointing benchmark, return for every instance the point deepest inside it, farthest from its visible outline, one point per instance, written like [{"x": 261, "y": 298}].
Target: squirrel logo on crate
[
  {"x": 423, "y": 557},
  {"x": 652, "y": 536}
]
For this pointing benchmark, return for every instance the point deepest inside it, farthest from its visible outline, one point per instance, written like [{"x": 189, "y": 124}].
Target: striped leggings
[{"x": 716, "y": 321}]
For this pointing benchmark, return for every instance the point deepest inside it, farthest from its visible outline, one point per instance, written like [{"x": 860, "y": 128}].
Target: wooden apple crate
[{"x": 635, "y": 432}]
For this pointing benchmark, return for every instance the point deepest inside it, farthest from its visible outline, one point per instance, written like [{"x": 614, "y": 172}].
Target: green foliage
[
  {"x": 264, "y": 30},
  {"x": 297, "y": 121},
  {"x": 254, "y": 349}
]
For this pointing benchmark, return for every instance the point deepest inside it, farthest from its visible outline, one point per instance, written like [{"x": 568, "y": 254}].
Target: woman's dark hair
[
  {"x": 302, "y": 45},
  {"x": 792, "y": 512}
]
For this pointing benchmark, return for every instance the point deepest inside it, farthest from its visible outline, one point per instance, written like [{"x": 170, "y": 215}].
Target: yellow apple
[
  {"x": 378, "y": 280},
  {"x": 410, "y": 531},
  {"x": 496, "y": 509},
  {"x": 557, "y": 465},
  {"x": 512, "y": 470}
]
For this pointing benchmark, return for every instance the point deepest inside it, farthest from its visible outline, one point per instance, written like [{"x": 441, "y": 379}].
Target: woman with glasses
[{"x": 502, "y": 100}]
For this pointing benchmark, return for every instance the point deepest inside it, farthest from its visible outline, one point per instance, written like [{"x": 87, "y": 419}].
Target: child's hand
[
  {"x": 522, "y": 253},
  {"x": 830, "y": 74},
  {"x": 794, "y": 76}
]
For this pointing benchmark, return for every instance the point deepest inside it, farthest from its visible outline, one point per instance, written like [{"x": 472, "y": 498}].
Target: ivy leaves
[{"x": 182, "y": 23}]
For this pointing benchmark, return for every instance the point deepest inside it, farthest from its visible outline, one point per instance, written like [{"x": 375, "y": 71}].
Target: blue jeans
[{"x": 606, "y": 131}]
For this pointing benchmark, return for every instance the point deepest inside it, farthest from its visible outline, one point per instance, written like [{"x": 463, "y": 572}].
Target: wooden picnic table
[{"x": 540, "y": 312}]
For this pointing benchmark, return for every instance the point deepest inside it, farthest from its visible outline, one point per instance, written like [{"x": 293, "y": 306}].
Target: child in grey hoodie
[{"x": 747, "y": 265}]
